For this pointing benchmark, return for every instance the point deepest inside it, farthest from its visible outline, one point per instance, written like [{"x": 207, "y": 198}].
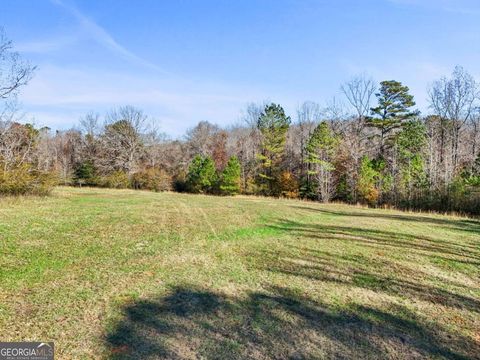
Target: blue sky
[{"x": 186, "y": 61}]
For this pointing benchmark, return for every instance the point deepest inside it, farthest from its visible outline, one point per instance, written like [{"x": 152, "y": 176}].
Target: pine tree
[
  {"x": 201, "y": 176},
  {"x": 394, "y": 103},
  {"x": 273, "y": 124},
  {"x": 321, "y": 149},
  {"x": 410, "y": 144},
  {"x": 230, "y": 182},
  {"x": 84, "y": 174}
]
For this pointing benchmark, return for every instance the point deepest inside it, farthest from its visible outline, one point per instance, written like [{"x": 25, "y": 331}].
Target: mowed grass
[{"x": 140, "y": 275}]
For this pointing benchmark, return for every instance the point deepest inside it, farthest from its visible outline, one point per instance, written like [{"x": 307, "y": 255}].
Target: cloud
[
  {"x": 101, "y": 36},
  {"x": 45, "y": 46},
  {"x": 58, "y": 96}
]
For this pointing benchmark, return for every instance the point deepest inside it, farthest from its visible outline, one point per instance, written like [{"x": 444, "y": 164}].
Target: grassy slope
[{"x": 111, "y": 273}]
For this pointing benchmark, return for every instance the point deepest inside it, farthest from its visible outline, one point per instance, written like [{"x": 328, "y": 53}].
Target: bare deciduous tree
[
  {"x": 200, "y": 137},
  {"x": 14, "y": 71},
  {"x": 122, "y": 143},
  {"x": 454, "y": 99},
  {"x": 308, "y": 115},
  {"x": 359, "y": 93},
  {"x": 66, "y": 145},
  {"x": 16, "y": 144}
]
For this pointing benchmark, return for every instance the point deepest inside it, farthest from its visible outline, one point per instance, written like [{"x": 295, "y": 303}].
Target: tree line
[{"x": 373, "y": 147}]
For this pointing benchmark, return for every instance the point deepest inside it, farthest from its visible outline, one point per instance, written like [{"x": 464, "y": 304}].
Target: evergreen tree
[
  {"x": 367, "y": 179},
  {"x": 273, "y": 124},
  {"x": 230, "y": 182},
  {"x": 84, "y": 174},
  {"x": 394, "y": 103},
  {"x": 410, "y": 144},
  {"x": 201, "y": 176},
  {"x": 321, "y": 149},
  {"x": 472, "y": 178}
]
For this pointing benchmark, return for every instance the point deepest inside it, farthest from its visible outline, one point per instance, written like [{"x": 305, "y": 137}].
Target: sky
[{"x": 185, "y": 61}]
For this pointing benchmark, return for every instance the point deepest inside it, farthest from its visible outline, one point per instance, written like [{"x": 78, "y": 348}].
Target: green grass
[{"x": 138, "y": 275}]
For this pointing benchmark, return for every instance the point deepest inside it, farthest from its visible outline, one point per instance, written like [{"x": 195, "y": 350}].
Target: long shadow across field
[
  {"x": 329, "y": 268},
  {"x": 375, "y": 273},
  {"x": 279, "y": 323},
  {"x": 467, "y": 225},
  {"x": 276, "y": 323},
  {"x": 387, "y": 239}
]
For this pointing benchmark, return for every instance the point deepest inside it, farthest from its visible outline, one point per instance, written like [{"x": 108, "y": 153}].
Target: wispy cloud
[
  {"x": 101, "y": 36},
  {"x": 45, "y": 46},
  {"x": 59, "y": 95}
]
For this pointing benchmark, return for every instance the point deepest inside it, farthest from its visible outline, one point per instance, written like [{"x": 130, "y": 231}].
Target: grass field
[{"x": 140, "y": 275}]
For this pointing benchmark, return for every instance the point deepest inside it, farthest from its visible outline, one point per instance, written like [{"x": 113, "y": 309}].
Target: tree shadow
[
  {"x": 362, "y": 272},
  {"x": 374, "y": 273},
  {"x": 381, "y": 238},
  {"x": 467, "y": 225},
  {"x": 277, "y": 323}
]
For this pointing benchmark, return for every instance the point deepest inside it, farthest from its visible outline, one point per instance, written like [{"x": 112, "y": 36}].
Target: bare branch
[{"x": 14, "y": 71}]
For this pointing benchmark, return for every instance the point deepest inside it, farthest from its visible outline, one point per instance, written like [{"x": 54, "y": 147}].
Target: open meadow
[{"x": 140, "y": 275}]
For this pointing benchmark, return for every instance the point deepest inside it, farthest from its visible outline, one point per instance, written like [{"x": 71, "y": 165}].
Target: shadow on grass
[
  {"x": 374, "y": 273},
  {"x": 277, "y": 323},
  {"x": 375, "y": 276},
  {"x": 386, "y": 239},
  {"x": 468, "y": 225}
]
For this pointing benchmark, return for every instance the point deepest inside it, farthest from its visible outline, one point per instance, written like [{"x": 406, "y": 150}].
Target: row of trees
[
  {"x": 19, "y": 173},
  {"x": 372, "y": 146},
  {"x": 203, "y": 177}
]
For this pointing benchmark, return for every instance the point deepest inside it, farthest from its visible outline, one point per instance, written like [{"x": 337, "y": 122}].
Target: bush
[
  {"x": 288, "y": 185},
  {"x": 152, "y": 179},
  {"x": 115, "y": 180},
  {"x": 44, "y": 183},
  {"x": 180, "y": 182},
  {"x": 22, "y": 180}
]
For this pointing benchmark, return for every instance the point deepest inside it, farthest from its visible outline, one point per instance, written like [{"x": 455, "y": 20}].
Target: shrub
[
  {"x": 115, "y": 180},
  {"x": 22, "y": 180},
  {"x": 288, "y": 185},
  {"x": 43, "y": 183},
  {"x": 152, "y": 179},
  {"x": 180, "y": 182}
]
